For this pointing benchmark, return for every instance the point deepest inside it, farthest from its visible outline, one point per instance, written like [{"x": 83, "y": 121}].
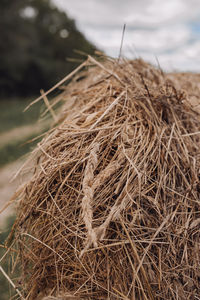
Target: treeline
[{"x": 36, "y": 40}]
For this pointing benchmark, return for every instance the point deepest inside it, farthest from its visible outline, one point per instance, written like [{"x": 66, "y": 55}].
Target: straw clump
[{"x": 112, "y": 210}]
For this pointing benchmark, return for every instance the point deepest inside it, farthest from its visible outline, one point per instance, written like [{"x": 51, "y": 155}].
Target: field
[{"x": 16, "y": 130}]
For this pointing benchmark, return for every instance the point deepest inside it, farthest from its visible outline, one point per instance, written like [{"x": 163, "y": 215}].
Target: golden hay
[{"x": 112, "y": 210}]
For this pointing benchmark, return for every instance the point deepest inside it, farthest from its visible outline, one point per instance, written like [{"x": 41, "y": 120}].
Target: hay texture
[{"x": 112, "y": 210}]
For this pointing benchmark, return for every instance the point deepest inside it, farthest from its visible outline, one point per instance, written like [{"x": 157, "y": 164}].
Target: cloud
[
  {"x": 168, "y": 29},
  {"x": 143, "y": 12}
]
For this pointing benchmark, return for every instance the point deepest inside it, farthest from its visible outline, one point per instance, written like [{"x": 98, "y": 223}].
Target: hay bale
[{"x": 113, "y": 210}]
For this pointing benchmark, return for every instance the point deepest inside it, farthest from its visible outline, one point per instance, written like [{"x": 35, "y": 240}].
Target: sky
[{"x": 163, "y": 30}]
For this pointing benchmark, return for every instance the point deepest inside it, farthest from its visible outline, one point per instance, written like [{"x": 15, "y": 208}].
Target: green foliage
[
  {"x": 36, "y": 40},
  {"x": 12, "y": 115},
  {"x": 14, "y": 150}
]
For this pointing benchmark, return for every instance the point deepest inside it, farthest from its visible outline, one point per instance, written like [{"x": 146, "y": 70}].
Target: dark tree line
[{"x": 35, "y": 41}]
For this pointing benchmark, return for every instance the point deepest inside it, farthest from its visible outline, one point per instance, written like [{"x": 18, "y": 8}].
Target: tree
[{"x": 36, "y": 39}]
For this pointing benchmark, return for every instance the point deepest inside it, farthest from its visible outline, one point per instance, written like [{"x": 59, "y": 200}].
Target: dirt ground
[
  {"x": 7, "y": 188},
  {"x": 22, "y": 132},
  {"x": 7, "y": 185}
]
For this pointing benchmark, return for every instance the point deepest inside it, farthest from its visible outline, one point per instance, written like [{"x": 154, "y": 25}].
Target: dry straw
[{"x": 112, "y": 210}]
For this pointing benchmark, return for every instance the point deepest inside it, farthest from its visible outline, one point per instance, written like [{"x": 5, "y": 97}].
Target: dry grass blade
[
  {"x": 58, "y": 84},
  {"x": 49, "y": 108}
]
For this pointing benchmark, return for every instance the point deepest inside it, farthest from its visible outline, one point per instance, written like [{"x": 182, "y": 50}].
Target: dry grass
[{"x": 113, "y": 210}]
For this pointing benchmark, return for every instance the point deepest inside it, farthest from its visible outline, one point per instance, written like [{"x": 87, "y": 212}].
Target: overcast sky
[{"x": 166, "y": 29}]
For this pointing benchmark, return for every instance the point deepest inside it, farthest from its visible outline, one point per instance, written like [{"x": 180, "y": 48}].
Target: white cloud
[
  {"x": 154, "y": 27},
  {"x": 159, "y": 40}
]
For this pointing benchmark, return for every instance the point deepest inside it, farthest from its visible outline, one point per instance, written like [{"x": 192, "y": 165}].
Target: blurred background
[
  {"x": 39, "y": 38},
  {"x": 168, "y": 30},
  {"x": 43, "y": 40}
]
